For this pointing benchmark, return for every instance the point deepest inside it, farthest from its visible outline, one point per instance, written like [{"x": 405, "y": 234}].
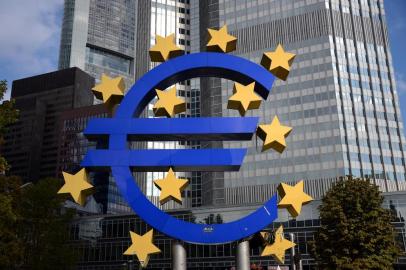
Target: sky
[
  {"x": 30, "y": 33},
  {"x": 396, "y": 19},
  {"x": 29, "y": 37}
]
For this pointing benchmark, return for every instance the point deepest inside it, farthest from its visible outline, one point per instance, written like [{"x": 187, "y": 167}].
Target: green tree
[
  {"x": 356, "y": 231},
  {"x": 11, "y": 247},
  {"x": 8, "y": 115},
  {"x": 44, "y": 227},
  {"x": 33, "y": 225},
  {"x": 33, "y": 222}
]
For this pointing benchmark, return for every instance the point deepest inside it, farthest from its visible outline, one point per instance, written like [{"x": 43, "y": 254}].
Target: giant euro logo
[{"x": 253, "y": 83}]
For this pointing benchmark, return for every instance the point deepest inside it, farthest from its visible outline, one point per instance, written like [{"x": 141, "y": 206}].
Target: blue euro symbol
[{"x": 126, "y": 125}]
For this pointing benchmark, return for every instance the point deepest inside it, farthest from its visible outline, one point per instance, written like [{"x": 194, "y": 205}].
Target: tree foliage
[
  {"x": 356, "y": 231},
  {"x": 33, "y": 222},
  {"x": 33, "y": 226},
  {"x": 8, "y": 115},
  {"x": 44, "y": 227},
  {"x": 11, "y": 247}
]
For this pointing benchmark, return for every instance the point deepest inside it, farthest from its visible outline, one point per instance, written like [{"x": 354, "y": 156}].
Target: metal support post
[
  {"x": 292, "y": 253},
  {"x": 178, "y": 256},
  {"x": 243, "y": 255}
]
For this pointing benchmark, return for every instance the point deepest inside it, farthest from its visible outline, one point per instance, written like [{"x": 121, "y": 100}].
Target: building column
[
  {"x": 178, "y": 255},
  {"x": 243, "y": 255}
]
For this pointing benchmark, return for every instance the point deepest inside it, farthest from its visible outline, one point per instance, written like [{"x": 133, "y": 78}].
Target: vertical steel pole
[
  {"x": 178, "y": 255},
  {"x": 292, "y": 256},
  {"x": 243, "y": 255}
]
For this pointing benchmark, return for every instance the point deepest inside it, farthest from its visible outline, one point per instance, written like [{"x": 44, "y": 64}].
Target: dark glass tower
[
  {"x": 31, "y": 144},
  {"x": 72, "y": 148}
]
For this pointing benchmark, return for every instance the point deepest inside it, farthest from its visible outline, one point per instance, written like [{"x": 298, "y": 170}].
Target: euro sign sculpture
[
  {"x": 253, "y": 83},
  {"x": 126, "y": 124}
]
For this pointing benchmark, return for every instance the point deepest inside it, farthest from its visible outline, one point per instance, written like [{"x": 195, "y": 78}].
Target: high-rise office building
[
  {"x": 166, "y": 17},
  {"x": 31, "y": 144},
  {"x": 99, "y": 36},
  {"x": 340, "y": 97}
]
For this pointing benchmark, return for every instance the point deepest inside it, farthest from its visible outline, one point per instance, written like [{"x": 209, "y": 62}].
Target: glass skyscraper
[
  {"x": 114, "y": 37},
  {"x": 340, "y": 97},
  {"x": 166, "y": 17},
  {"x": 98, "y": 36}
]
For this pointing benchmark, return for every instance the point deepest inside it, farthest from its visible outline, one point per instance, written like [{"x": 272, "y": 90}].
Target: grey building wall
[{"x": 143, "y": 38}]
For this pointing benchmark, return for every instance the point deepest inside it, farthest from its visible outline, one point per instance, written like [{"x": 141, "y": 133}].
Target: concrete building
[{"x": 31, "y": 144}]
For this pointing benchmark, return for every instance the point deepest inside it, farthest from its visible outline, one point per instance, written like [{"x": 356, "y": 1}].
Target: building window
[{"x": 106, "y": 60}]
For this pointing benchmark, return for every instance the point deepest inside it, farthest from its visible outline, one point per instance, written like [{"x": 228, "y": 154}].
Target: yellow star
[
  {"x": 293, "y": 198},
  {"x": 279, "y": 247},
  {"x": 273, "y": 135},
  {"x": 77, "y": 185},
  {"x": 278, "y": 62},
  {"x": 164, "y": 49},
  {"x": 168, "y": 103},
  {"x": 244, "y": 98},
  {"x": 221, "y": 41},
  {"x": 110, "y": 90},
  {"x": 142, "y": 246},
  {"x": 171, "y": 187}
]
